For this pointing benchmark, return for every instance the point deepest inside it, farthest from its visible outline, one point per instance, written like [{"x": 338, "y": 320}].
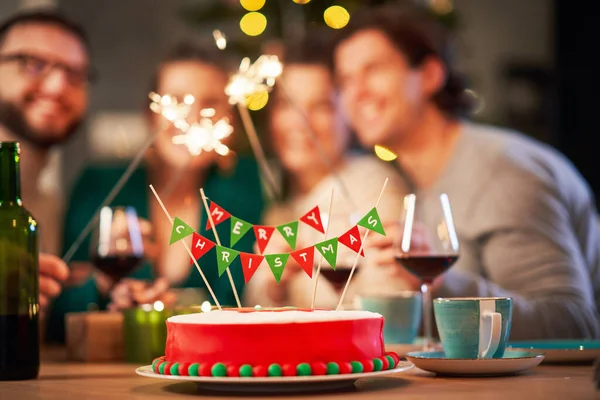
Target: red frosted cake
[{"x": 283, "y": 342}]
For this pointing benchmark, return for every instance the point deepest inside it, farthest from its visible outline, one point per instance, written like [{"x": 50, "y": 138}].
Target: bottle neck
[{"x": 10, "y": 183}]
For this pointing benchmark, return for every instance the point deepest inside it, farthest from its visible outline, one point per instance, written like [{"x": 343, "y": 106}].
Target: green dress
[{"x": 239, "y": 192}]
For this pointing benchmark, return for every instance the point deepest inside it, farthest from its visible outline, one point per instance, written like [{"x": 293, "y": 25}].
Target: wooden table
[{"x": 66, "y": 381}]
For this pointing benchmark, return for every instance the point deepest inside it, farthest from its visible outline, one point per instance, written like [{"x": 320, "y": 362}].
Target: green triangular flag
[
  {"x": 225, "y": 257},
  {"x": 371, "y": 221},
  {"x": 277, "y": 264},
  {"x": 239, "y": 228},
  {"x": 180, "y": 230},
  {"x": 289, "y": 232},
  {"x": 328, "y": 250}
]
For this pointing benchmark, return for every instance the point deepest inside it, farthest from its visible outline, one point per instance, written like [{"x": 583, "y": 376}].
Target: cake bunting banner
[
  {"x": 351, "y": 239},
  {"x": 250, "y": 263},
  {"x": 200, "y": 246},
  {"x": 289, "y": 232},
  {"x": 179, "y": 231},
  {"x": 277, "y": 264},
  {"x": 225, "y": 257},
  {"x": 238, "y": 229},
  {"x": 218, "y": 215},
  {"x": 263, "y": 235},
  {"x": 305, "y": 258},
  {"x": 328, "y": 249},
  {"x": 313, "y": 219},
  {"x": 372, "y": 222}
]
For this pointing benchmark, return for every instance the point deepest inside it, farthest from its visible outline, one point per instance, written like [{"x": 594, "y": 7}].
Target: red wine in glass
[
  {"x": 117, "y": 247},
  {"x": 117, "y": 267},
  {"x": 427, "y": 267},
  {"x": 338, "y": 277},
  {"x": 427, "y": 246}
]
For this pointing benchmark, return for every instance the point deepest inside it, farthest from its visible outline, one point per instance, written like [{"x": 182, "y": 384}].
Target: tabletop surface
[{"x": 67, "y": 380}]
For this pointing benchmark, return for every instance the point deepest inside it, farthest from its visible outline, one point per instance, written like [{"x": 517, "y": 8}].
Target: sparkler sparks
[
  {"x": 197, "y": 137},
  {"x": 253, "y": 78},
  {"x": 169, "y": 107},
  {"x": 206, "y": 136}
]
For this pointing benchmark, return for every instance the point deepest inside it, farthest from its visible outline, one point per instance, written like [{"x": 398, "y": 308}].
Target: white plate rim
[{"x": 146, "y": 371}]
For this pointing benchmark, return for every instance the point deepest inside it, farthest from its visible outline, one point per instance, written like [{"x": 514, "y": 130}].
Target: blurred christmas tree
[{"x": 285, "y": 20}]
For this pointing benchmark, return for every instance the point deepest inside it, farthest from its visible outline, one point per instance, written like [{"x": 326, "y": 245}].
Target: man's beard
[{"x": 13, "y": 119}]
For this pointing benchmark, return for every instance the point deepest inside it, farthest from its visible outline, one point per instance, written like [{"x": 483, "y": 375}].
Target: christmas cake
[{"x": 274, "y": 342}]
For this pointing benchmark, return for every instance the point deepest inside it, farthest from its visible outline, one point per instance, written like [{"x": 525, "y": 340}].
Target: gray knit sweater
[{"x": 528, "y": 229}]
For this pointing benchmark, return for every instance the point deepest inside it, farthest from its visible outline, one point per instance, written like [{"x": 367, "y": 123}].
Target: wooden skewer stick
[
  {"x": 188, "y": 250},
  {"x": 360, "y": 250},
  {"x": 214, "y": 229},
  {"x": 316, "y": 279}
]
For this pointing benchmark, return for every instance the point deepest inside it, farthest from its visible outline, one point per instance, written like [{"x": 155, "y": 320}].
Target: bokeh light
[
  {"x": 257, "y": 100},
  {"x": 336, "y": 17},
  {"x": 384, "y": 153},
  {"x": 301, "y": 1},
  {"x": 252, "y": 5},
  {"x": 253, "y": 23}
]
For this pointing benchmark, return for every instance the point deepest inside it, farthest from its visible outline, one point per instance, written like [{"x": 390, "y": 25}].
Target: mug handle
[{"x": 492, "y": 329}]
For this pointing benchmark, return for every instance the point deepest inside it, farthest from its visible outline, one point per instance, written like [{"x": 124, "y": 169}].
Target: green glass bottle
[{"x": 19, "y": 300}]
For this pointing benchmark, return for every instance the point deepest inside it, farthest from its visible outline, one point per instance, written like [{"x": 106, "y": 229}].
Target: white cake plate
[{"x": 282, "y": 384}]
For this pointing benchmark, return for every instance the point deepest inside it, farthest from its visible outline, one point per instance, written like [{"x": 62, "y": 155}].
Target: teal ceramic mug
[
  {"x": 401, "y": 312},
  {"x": 473, "y": 327}
]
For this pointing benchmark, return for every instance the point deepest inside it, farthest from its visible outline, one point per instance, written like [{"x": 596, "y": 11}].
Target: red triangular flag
[
  {"x": 218, "y": 215},
  {"x": 263, "y": 235},
  {"x": 200, "y": 246},
  {"x": 352, "y": 240},
  {"x": 250, "y": 263},
  {"x": 313, "y": 219},
  {"x": 305, "y": 257}
]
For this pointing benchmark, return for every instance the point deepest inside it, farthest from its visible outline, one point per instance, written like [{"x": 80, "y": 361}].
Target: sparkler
[
  {"x": 251, "y": 79},
  {"x": 173, "y": 111}
]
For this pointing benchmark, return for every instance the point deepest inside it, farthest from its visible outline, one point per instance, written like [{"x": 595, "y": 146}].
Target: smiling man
[
  {"x": 526, "y": 219},
  {"x": 44, "y": 76}
]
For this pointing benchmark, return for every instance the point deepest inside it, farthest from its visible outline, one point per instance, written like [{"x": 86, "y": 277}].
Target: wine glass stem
[{"x": 425, "y": 290}]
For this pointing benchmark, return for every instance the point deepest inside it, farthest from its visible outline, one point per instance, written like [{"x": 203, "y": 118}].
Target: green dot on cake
[
  {"x": 246, "y": 370},
  {"x": 333, "y": 368},
  {"x": 377, "y": 364},
  {"x": 303, "y": 369},
  {"x": 392, "y": 362},
  {"x": 174, "y": 369},
  {"x": 161, "y": 367},
  {"x": 193, "y": 369},
  {"x": 357, "y": 367},
  {"x": 274, "y": 370},
  {"x": 219, "y": 369}
]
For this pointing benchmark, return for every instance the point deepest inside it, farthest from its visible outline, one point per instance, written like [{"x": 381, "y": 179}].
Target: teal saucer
[
  {"x": 563, "y": 350},
  {"x": 513, "y": 362}
]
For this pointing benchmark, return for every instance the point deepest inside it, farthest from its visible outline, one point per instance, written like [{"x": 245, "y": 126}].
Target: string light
[
  {"x": 384, "y": 153},
  {"x": 253, "y": 23},
  {"x": 252, "y": 5},
  {"x": 336, "y": 17}
]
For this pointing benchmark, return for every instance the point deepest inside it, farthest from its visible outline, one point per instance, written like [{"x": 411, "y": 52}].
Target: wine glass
[
  {"x": 427, "y": 246},
  {"x": 116, "y": 245}
]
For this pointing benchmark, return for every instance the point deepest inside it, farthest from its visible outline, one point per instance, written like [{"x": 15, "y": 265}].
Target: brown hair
[{"x": 418, "y": 35}]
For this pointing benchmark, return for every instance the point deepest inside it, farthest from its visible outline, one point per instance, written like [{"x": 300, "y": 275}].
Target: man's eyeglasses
[{"x": 37, "y": 67}]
